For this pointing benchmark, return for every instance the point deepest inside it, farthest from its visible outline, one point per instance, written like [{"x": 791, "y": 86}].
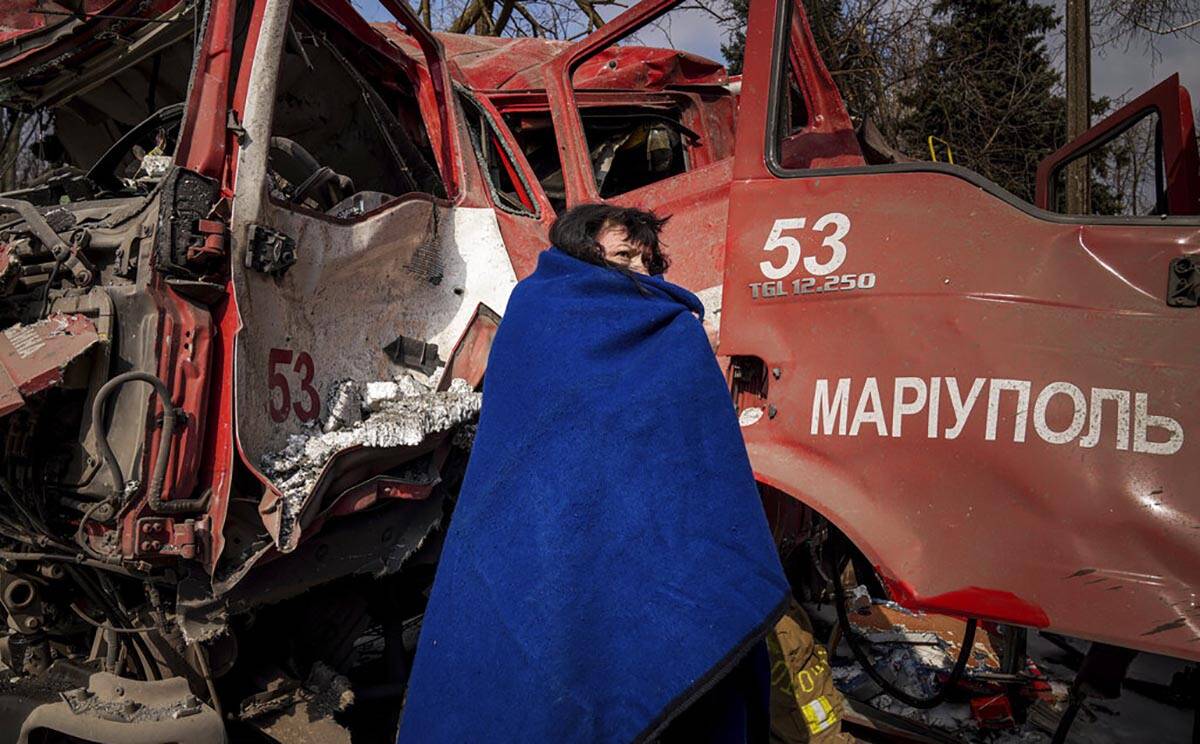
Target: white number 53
[{"x": 833, "y": 241}]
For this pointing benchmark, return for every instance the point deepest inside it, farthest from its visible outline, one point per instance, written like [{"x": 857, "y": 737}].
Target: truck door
[
  {"x": 352, "y": 257},
  {"x": 688, "y": 110},
  {"x": 1162, "y": 159},
  {"x": 997, "y": 404}
]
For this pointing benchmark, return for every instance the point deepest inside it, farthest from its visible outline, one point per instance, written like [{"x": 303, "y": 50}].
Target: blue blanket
[{"x": 608, "y": 559}]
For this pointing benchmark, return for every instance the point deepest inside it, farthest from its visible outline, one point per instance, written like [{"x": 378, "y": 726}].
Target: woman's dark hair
[{"x": 575, "y": 232}]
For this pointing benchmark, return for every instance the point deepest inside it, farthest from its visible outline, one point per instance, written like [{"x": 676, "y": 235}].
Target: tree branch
[
  {"x": 590, "y": 11},
  {"x": 469, "y": 15},
  {"x": 502, "y": 19}
]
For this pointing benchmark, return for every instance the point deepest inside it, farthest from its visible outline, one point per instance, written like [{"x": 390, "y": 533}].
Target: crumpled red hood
[
  {"x": 20, "y": 17},
  {"x": 489, "y": 63},
  {"x": 25, "y": 30}
]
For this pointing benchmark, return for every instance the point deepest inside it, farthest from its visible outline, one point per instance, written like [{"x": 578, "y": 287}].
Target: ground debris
[
  {"x": 331, "y": 691},
  {"x": 382, "y": 414},
  {"x": 302, "y": 713},
  {"x": 902, "y": 651}
]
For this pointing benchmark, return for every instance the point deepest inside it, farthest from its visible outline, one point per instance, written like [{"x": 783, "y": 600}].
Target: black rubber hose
[
  {"x": 860, "y": 655},
  {"x": 154, "y": 494}
]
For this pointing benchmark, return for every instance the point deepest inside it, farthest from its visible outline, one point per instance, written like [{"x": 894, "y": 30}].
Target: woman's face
[{"x": 618, "y": 251}]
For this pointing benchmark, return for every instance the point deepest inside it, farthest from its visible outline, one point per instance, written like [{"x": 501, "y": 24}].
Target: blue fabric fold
[{"x": 608, "y": 559}]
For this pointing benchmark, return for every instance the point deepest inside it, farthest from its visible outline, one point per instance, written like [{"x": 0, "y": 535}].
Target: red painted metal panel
[
  {"x": 33, "y": 357},
  {"x": 1100, "y": 539},
  {"x": 185, "y": 336},
  {"x": 217, "y": 453},
  {"x": 1026, "y": 495},
  {"x": 491, "y": 64},
  {"x": 203, "y": 137}
]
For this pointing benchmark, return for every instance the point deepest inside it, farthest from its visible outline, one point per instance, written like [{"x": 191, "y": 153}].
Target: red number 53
[{"x": 277, "y": 380}]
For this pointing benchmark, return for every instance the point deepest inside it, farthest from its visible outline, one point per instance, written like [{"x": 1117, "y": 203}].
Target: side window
[
  {"x": 1125, "y": 172},
  {"x": 629, "y": 146},
  {"x": 812, "y": 128},
  {"x": 509, "y": 190},
  {"x": 347, "y": 135},
  {"x": 1140, "y": 161},
  {"x": 534, "y": 133},
  {"x": 632, "y": 147},
  {"x": 684, "y": 90}
]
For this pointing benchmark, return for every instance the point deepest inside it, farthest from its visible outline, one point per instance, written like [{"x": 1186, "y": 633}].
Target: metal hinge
[
  {"x": 270, "y": 251},
  {"x": 235, "y": 127},
  {"x": 210, "y": 243},
  {"x": 1183, "y": 284}
]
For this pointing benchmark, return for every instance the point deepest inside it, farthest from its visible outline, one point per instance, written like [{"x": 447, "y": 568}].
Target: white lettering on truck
[{"x": 1082, "y": 416}]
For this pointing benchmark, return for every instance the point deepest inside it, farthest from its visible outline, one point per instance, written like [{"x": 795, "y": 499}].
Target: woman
[{"x": 608, "y": 564}]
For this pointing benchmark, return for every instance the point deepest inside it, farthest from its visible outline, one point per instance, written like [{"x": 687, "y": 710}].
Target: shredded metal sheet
[{"x": 386, "y": 414}]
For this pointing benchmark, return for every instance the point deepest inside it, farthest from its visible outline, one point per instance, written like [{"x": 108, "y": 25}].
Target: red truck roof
[{"x": 489, "y": 63}]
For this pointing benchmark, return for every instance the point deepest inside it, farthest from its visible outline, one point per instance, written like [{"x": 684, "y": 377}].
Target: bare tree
[
  {"x": 554, "y": 19},
  {"x": 1148, "y": 21},
  {"x": 874, "y": 49},
  {"x": 22, "y": 155}
]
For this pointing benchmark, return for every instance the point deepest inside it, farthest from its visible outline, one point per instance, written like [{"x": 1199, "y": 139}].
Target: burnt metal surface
[
  {"x": 289, "y": 711},
  {"x": 414, "y": 354},
  {"x": 186, "y": 204},
  {"x": 375, "y": 543}
]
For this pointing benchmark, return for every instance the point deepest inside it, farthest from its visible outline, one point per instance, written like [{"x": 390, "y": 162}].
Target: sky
[{"x": 1116, "y": 71}]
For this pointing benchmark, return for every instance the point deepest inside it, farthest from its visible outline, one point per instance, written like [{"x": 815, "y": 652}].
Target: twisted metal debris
[{"x": 384, "y": 414}]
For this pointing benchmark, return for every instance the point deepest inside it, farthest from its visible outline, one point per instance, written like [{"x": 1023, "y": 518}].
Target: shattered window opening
[
  {"x": 634, "y": 146},
  {"x": 497, "y": 163},
  {"x": 348, "y": 135},
  {"x": 630, "y": 147},
  {"x": 539, "y": 143},
  {"x": 102, "y": 122}
]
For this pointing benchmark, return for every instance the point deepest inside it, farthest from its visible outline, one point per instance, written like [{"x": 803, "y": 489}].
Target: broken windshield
[{"x": 94, "y": 107}]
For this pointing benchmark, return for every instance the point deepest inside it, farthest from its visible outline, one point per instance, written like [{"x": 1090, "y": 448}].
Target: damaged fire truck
[{"x": 245, "y": 324}]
